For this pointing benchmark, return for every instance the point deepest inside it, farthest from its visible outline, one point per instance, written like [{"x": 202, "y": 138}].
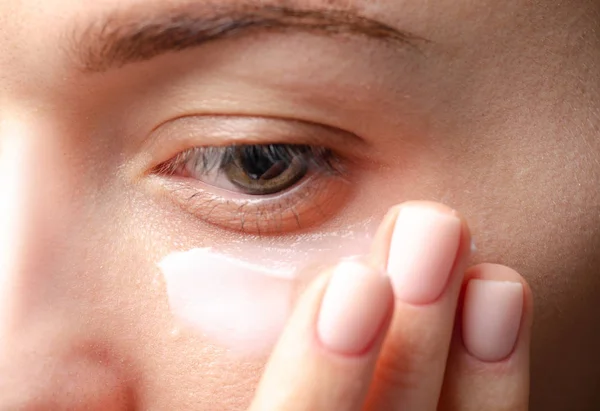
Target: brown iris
[{"x": 263, "y": 170}]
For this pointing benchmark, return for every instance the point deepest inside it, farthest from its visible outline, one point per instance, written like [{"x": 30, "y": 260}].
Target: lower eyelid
[{"x": 309, "y": 203}]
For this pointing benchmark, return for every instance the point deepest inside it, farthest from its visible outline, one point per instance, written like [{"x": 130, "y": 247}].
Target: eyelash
[{"x": 209, "y": 159}]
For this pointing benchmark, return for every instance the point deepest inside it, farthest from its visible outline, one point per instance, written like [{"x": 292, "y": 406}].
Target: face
[{"x": 276, "y": 139}]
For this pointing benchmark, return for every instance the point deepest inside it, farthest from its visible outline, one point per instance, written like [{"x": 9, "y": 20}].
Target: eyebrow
[{"x": 122, "y": 38}]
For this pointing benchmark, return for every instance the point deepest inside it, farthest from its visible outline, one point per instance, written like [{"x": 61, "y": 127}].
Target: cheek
[
  {"x": 241, "y": 301},
  {"x": 206, "y": 319}
]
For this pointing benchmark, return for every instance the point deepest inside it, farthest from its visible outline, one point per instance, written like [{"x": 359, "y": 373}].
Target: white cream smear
[
  {"x": 233, "y": 303},
  {"x": 240, "y": 305}
]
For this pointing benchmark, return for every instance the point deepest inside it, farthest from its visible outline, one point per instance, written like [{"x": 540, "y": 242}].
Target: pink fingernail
[
  {"x": 492, "y": 318},
  {"x": 422, "y": 253},
  {"x": 354, "y": 307}
]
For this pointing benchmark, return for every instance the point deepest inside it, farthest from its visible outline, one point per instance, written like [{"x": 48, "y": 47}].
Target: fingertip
[
  {"x": 496, "y": 313},
  {"x": 334, "y": 337},
  {"x": 498, "y": 272},
  {"x": 492, "y": 318},
  {"x": 490, "y": 355},
  {"x": 354, "y": 309},
  {"x": 380, "y": 249}
]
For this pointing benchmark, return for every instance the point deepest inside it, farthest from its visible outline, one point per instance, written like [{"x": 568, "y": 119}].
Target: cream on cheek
[
  {"x": 233, "y": 303},
  {"x": 242, "y": 304}
]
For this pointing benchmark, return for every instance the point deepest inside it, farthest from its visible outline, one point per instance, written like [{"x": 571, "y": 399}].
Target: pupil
[{"x": 263, "y": 163}]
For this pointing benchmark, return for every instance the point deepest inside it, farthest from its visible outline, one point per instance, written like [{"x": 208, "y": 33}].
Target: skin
[{"x": 495, "y": 116}]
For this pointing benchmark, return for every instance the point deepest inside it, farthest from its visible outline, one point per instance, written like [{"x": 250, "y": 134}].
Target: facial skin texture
[{"x": 492, "y": 110}]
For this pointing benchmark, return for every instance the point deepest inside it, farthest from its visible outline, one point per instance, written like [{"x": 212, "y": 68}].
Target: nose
[
  {"x": 47, "y": 362},
  {"x": 16, "y": 222},
  {"x": 13, "y": 226}
]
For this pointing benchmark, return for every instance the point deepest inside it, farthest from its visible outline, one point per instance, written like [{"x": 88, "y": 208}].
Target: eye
[
  {"x": 265, "y": 189},
  {"x": 259, "y": 189},
  {"x": 256, "y": 170},
  {"x": 261, "y": 170}
]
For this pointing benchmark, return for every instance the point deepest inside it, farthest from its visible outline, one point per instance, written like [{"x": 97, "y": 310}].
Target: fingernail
[
  {"x": 492, "y": 318},
  {"x": 422, "y": 253},
  {"x": 354, "y": 308}
]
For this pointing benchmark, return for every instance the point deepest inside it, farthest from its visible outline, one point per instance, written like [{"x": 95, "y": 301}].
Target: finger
[
  {"x": 488, "y": 367},
  {"x": 429, "y": 248},
  {"x": 327, "y": 353}
]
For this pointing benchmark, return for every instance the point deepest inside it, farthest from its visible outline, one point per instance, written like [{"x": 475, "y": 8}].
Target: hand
[{"x": 363, "y": 340}]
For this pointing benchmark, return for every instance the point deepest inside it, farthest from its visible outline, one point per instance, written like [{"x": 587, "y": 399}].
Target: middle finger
[{"x": 429, "y": 248}]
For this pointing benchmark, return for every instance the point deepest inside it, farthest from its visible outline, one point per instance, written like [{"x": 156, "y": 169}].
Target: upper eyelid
[
  {"x": 210, "y": 120},
  {"x": 206, "y": 131}
]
